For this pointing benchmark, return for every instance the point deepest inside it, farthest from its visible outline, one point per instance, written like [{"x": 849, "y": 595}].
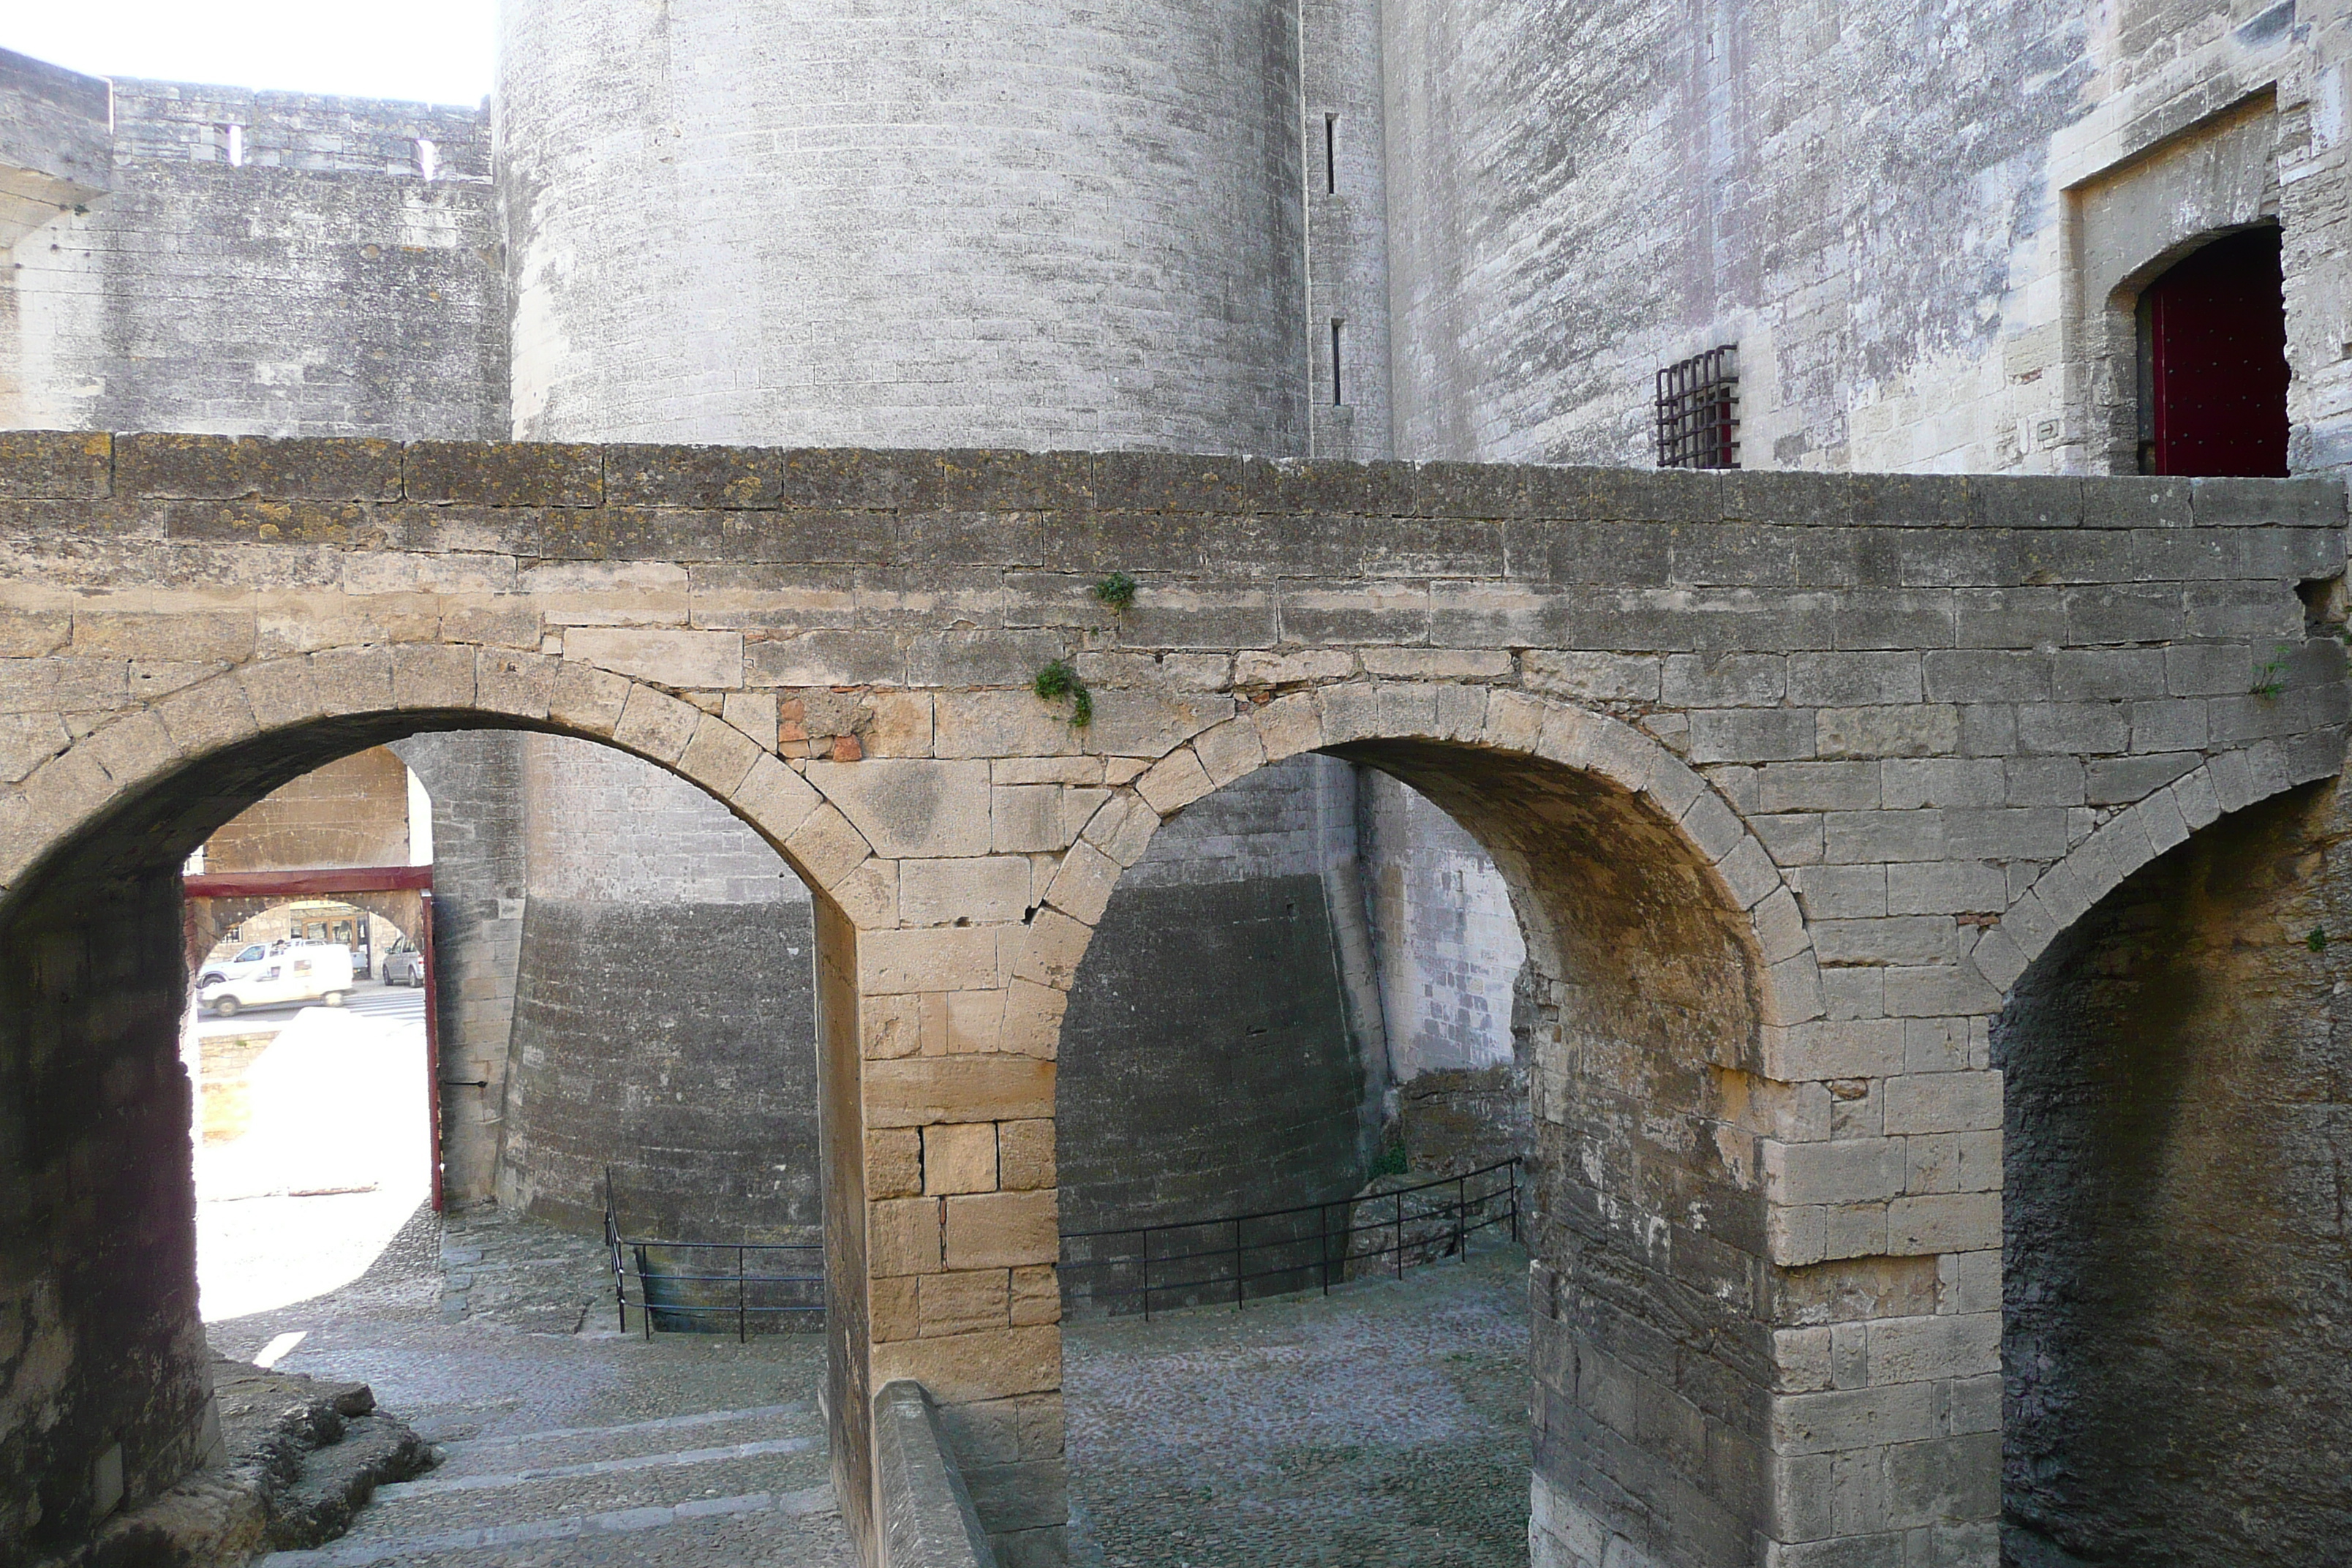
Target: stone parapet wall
[{"x": 1789, "y": 778}]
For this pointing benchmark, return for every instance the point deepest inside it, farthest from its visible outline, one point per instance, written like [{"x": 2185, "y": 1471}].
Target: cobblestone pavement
[
  {"x": 1386, "y": 1423},
  {"x": 564, "y": 1444}
]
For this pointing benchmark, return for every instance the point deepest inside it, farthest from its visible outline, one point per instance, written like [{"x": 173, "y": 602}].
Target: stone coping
[
  {"x": 349, "y": 481},
  {"x": 928, "y": 1518}
]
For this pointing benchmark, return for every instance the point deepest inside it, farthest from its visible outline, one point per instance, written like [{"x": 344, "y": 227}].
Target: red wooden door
[{"x": 2217, "y": 326}]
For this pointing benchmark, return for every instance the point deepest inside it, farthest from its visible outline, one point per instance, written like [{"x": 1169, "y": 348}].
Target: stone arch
[
  {"x": 1662, "y": 978},
  {"x": 347, "y": 699},
  {"x": 103, "y": 1369},
  {"x": 2067, "y": 891}
]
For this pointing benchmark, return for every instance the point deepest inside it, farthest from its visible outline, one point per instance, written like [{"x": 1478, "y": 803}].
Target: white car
[
  {"x": 306, "y": 972},
  {"x": 249, "y": 958}
]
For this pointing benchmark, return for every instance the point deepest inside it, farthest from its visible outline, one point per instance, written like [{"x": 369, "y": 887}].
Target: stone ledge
[
  {"x": 928, "y": 1517},
  {"x": 507, "y": 475}
]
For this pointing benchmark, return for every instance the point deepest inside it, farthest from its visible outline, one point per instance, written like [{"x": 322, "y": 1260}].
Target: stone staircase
[{"x": 741, "y": 1486}]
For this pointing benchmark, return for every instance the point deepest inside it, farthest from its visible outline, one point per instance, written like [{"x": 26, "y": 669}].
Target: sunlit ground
[{"x": 312, "y": 1148}]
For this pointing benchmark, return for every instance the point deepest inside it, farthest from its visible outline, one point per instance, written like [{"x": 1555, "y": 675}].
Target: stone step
[
  {"x": 437, "y": 1505},
  {"x": 800, "y": 1528},
  {"x": 665, "y": 1434}
]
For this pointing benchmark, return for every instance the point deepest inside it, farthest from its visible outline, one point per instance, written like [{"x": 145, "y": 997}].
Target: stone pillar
[{"x": 475, "y": 778}]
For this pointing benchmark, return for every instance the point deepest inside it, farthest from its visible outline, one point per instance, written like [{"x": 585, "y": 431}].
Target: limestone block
[
  {"x": 1002, "y": 1230},
  {"x": 718, "y": 757},
  {"x": 890, "y": 1027},
  {"x": 1351, "y": 712},
  {"x": 1944, "y": 1222},
  {"x": 959, "y": 1158},
  {"x": 1584, "y": 677},
  {"x": 959, "y": 1023},
  {"x": 522, "y": 684},
  {"x": 1122, "y": 828},
  {"x": 433, "y": 677},
  {"x": 1081, "y": 770},
  {"x": 1145, "y": 723},
  {"x": 1514, "y": 721},
  {"x": 1024, "y": 1154},
  {"x": 1229, "y": 751},
  {"x": 896, "y": 1313},
  {"x": 902, "y": 724},
  {"x": 894, "y": 1163},
  {"x": 869, "y": 894},
  {"x": 656, "y": 724},
  {"x": 29, "y": 739},
  {"x": 280, "y": 692},
  {"x": 988, "y": 891},
  {"x": 1848, "y": 1419},
  {"x": 205, "y": 718},
  {"x": 587, "y": 700},
  {"x": 824, "y": 848},
  {"x": 776, "y": 799},
  {"x": 66, "y": 792},
  {"x": 1036, "y": 1298},
  {"x": 1033, "y": 1019},
  {"x": 1943, "y": 1102},
  {"x": 1039, "y": 819},
  {"x": 959, "y": 1369},
  {"x": 673, "y": 659},
  {"x": 999, "y": 724},
  {"x": 1857, "y": 1169},
  {"x": 1050, "y": 952},
  {"x": 1437, "y": 663},
  {"x": 507, "y": 622},
  {"x": 133, "y": 749},
  {"x": 1780, "y": 927},
  {"x": 961, "y": 1303},
  {"x": 903, "y": 1236},
  {"x": 907, "y": 807},
  {"x": 916, "y": 1091},
  {"x": 1915, "y": 730},
  {"x": 1748, "y": 873},
  {"x": 608, "y": 593},
  {"x": 352, "y": 680},
  {"x": 1288, "y": 726},
  {"x": 947, "y": 958},
  {"x": 1084, "y": 883},
  {"x": 1174, "y": 783},
  {"x": 1293, "y": 669}
]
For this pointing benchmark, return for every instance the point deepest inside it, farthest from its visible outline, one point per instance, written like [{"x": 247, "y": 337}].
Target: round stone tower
[{"x": 905, "y": 223}]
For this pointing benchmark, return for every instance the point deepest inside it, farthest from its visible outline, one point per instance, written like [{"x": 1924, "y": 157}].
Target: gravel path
[{"x": 1386, "y": 1423}]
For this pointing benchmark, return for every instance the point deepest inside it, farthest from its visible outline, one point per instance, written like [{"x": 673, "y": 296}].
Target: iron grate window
[{"x": 1698, "y": 412}]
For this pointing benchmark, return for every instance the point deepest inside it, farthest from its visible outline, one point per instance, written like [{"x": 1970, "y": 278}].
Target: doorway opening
[{"x": 2212, "y": 362}]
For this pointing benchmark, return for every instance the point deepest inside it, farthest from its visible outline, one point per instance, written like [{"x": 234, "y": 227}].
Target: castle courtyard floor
[{"x": 1383, "y": 1424}]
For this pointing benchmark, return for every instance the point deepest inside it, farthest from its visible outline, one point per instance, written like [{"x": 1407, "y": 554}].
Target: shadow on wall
[{"x": 2177, "y": 1344}]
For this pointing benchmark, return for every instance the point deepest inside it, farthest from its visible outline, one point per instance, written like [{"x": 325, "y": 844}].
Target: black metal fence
[
  {"x": 1276, "y": 1252},
  {"x": 694, "y": 1286}
]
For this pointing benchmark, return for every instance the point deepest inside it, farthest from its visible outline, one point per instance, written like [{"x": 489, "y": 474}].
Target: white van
[
  {"x": 251, "y": 957},
  {"x": 305, "y": 971}
]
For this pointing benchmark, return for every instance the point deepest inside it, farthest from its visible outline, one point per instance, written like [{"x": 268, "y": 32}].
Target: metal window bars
[
  {"x": 1282, "y": 1251},
  {"x": 1699, "y": 411},
  {"x": 676, "y": 1293}
]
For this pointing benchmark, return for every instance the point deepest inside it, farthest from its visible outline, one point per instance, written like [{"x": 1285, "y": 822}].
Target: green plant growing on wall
[
  {"x": 2270, "y": 677},
  {"x": 1118, "y": 591},
  {"x": 2317, "y": 940},
  {"x": 1058, "y": 681}
]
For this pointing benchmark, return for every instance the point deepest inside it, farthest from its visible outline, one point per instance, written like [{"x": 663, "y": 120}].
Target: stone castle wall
[
  {"x": 982, "y": 223},
  {"x": 323, "y": 284},
  {"x": 1913, "y": 224}
]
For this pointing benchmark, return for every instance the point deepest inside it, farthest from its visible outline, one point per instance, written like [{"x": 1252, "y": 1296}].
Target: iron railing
[
  {"x": 677, "y": 1293},
  {"x": 1283, "y": 1251}
]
